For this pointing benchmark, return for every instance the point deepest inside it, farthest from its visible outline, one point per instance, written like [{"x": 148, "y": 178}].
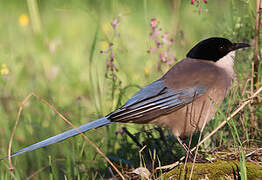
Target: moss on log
[{"x": 216, "y": 170}]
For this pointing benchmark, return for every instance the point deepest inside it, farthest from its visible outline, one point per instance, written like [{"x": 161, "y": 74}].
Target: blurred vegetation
[{"x": 54, "y": 51}]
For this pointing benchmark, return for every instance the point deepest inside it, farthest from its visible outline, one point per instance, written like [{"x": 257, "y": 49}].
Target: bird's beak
[{"x": 236, "y": 46}]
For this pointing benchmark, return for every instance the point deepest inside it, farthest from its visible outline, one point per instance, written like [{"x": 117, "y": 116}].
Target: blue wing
[
  {"x": 153, "y": 101},
  {"x": 150, "y": 90}
]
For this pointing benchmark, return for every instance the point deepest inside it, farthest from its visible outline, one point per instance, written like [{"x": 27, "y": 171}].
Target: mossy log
[{"x": 216, "y": 170}]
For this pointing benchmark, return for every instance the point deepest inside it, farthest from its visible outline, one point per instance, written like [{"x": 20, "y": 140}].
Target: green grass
[{"x": 62, "y": 61}]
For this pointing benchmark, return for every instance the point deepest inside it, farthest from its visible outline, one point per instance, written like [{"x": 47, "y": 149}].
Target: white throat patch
[{"x": 227, "y": 63}]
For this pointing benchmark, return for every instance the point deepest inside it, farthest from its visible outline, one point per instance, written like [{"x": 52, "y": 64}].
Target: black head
[{"x": 214, "y": 48}]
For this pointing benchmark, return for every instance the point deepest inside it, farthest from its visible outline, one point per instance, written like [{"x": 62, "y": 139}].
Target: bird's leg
[{"x": 185, "y": 147}]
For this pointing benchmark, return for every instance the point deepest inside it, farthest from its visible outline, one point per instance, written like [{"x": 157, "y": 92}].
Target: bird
[{"x": 183, "y": 100}]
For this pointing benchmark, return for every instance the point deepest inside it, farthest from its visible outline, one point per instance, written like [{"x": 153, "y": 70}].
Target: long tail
[{"x": 60, "y": 137}]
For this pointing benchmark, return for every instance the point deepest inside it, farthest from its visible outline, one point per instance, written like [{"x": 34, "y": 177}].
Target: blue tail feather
[{"x": 60, "y": 137}]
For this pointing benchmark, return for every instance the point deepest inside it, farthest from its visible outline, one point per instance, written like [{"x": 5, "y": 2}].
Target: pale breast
[{"x": 197, "y": 114}]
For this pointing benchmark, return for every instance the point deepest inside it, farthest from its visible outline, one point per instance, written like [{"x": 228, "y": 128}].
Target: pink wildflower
[
  {"x": 153, "y": 23},
  {"x": 115, "y": 23}
]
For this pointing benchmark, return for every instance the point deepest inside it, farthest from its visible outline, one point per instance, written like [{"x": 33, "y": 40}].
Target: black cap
[{"x": 214, "y": 49}]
